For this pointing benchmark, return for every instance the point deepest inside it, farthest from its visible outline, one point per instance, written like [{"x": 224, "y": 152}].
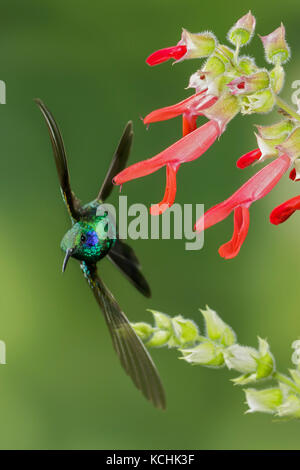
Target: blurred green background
[{"x": 62, "y": 386}]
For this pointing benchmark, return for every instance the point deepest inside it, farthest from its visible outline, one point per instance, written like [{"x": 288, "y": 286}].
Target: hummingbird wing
[
  {"x": 125, "y": 259},
  {"x": 133, "y": 355},
  {"x": 118, "y": 162},
  {"x": 72, "y": 203},
  {"x": 121, "y": 254}
]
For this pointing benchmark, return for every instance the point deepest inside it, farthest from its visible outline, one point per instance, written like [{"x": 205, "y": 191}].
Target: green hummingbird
[{"x": 92, "y": 237}]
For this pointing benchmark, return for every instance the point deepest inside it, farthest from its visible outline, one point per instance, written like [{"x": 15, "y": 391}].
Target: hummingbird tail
[{"x": 133, "y": 355}]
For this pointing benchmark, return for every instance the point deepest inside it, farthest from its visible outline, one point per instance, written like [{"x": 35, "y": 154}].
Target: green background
[{"x": 62, "y": 386}]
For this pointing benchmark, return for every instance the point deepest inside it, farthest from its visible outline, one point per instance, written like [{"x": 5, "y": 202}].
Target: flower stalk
[{"x": 218, "y": 347}]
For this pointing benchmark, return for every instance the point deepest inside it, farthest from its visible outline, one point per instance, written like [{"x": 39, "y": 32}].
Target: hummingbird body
[
  {"x": 90, "y": 239},
  {"x": 93, "y": 236}
]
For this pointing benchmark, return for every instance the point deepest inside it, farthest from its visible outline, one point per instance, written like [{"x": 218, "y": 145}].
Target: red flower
[
  {"x": 284, "y": 211},
  {"x": 158, "y": 57},
  {"x": 255, "y": 188},
  {"x": 248, "y": 159},
  {"x": 188, "y": 148},
  {"x": 190, "y": 109}
]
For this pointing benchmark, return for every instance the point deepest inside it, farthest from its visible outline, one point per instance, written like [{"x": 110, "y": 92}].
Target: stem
[
  {"x": 284, "y": 379},
  {"x": 237, "y": 50},
  {"x": 283, "y": 105}
]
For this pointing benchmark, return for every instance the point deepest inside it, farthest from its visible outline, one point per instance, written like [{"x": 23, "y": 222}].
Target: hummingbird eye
[{"x": 83, "y": 238}]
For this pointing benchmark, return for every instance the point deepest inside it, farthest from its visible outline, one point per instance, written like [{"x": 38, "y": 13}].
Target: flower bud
[
  {"x": 260, "y": 102},
  {"x": 242, "y": 31},
  {"x": 265, "y": 361},
  {"x": 241, "y": 358},
  {"x": 198, "y": 45},
  {"x": 290, "y": 408},
  {"x": 162, "y": 330},
  {"x": 185, "y": 332},
  {"x": 162, "y": 320},
  {"x": 143, "y": 330},
  {"x": 206, "y": 354},
  {"x": 254, "y": 364},
  {"x": 225, "y": 54},
  {"x": 276, "y": 48},
  {"x": 217, "y": 329},
  {"x": 158, "y": 339},
  {"x": 279, "y": 129},
  {"x": 291, "y": 146},
  {"x": 247, "y": 65},
  {"x": 249, "y": 84},
  {"x": 277, "y": 78},
  {"x": 265, "y": 401}
]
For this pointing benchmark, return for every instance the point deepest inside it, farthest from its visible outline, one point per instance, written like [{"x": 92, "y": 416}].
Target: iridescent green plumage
[{"x": 94, "y": 236}]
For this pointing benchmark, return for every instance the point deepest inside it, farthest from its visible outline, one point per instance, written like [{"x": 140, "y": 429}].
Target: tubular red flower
[
  {"x": 193, "y": 105},
  {"x": 249, "y": 158},
  {"x": 189, "y": 124},
  {"x": 241, "y": 225},
  {"x": 162, "y": 55},
  {"x": 170, "y": 191},
  {"x": 190, "y": 109},
  {"x": 254, "y": 189},
  {"x": 188, "y": 148},
  {"x": 284, "y": 211}
]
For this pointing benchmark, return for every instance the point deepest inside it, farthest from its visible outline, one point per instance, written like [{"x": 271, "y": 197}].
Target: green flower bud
[
  {"x": 291, "y": 146},
  {"x": 185, "y": 332},
  {"x": 158, "y": 339},
  {"x": 254, "y": 364},
  {"x": 265, "y": 401},
  {"x": 162, "y": 330},
  {"x": 277, "y": 78},
  {"x": 198, "y": 45},
  {"x": 260, "y": 102},
  {"x": 206, "y": 354},
  {"x": 217, "y": 329},
  {"x": 265, "y": 361},
  {"x": 276, "y": 48},
  {"x": 247, "y": 65},
  {"x": 242, "y": 31},
  {"x": 214, "y": 66},
  {"x": 241, "y": 358},
  {"x": 290, "y": 408},
  {"x": 162, "y": 320},
  {"x": 280, "y": 129},
  {"x": 143, "y": 330},
  {"x": 225, "y": 54}
]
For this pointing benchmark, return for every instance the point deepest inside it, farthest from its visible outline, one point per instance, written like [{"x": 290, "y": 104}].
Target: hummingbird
[{"x": 92, "y": 237}]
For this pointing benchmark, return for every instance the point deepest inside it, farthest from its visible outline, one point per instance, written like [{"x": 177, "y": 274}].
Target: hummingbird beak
[{"x": 68, "y": 255}]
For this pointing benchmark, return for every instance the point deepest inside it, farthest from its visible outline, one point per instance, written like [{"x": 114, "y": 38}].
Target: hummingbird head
[{"x": 89, "y": 240}]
